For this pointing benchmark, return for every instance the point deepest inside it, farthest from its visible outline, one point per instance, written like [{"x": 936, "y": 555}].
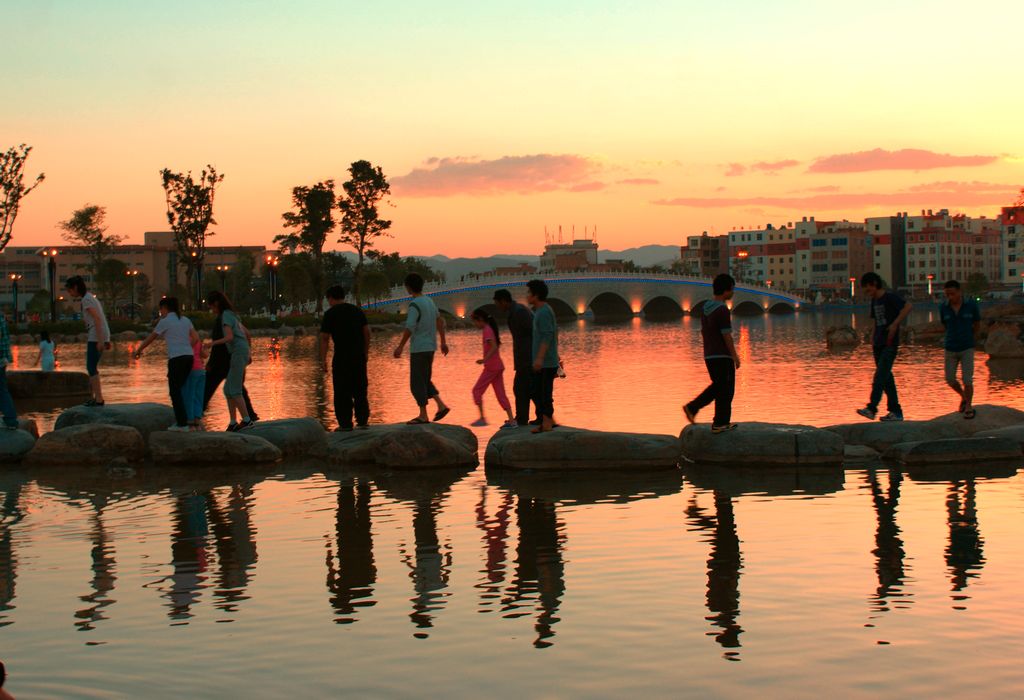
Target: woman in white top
[
  {"x": 99, "y": 334},
  {"x": 180, "y": 336}
]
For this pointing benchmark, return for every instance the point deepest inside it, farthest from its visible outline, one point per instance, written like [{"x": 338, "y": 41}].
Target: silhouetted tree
[
  {"x": 87, "y": 227},
  {"x": 112, "y": 284},
  {"x": 395, "y": 267},
  {"x": 190, "y": 215},
  {"x": 13, "y": 189},
  {"x": 374, "y": 285},
  {"x": 976, "y": 283},
  {"x": 361, "y": 224},
  {"x": 311, "y": 221}
]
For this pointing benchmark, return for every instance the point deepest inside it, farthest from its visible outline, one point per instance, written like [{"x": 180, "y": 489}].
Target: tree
[
  {"x": 311, "y": 221},
  {"x": 87, "y": 227},
  {"x": 295, "y": 278},
  {"x": 361, "y": 224},
  {"x": 1018, "y": 203},
  {"x": 13, "y": 189},
  {"x": 976, "y": 283},
  {"x": 375, "y": 285},
  {"x": 190, "y": 215},
  {"x": 39, "y": 303},
  {"x": 337, "y": 270},
  {"x": 112, "y": 284}
]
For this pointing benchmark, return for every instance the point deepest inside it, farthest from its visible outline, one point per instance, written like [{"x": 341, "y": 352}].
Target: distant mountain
[{"x": 455, "y": 268}]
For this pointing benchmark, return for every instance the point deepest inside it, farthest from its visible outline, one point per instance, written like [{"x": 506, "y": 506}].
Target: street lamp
[
  {"x": 272, "y": 267},
  {"x": 14, "y": 277},
  {"x": 930, "y": 278},
  {"x": 132, "y": 274},
  {"x": 853, "y": 281},
  {"x": 50, "y": 256},
  {"x": 198, "y": 264},
  {"x": 222, "y": 270}
]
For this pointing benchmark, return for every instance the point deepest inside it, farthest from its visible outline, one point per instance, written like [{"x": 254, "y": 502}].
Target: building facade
[
  {"x": 764, "y": 256},
  {"x": 704, "y": 255},
  {"x": 1011, "y": 245},
  {"x": 829, "y": 253},
  {"x": 888, "y": 244}
]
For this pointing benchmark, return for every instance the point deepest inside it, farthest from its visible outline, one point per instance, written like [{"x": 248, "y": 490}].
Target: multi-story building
[
  {"x": 763, "y": 256},
  {"x": 939, "y": 247},
  {"x": 829, "y": 253},
  {"x": 1011, "y": 227},
  {"x": 704, "y": 255},
  {"x": 988, "y": 249},
  {"x": 888, "y": 244},
  {"x": 566, "y": 257}
]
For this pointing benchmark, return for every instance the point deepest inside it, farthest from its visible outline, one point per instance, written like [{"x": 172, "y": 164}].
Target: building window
[
  {"x": 819, "y": 242},
  {"x": 838, "y": 241},
  {"x": 877, "y": 227},
  {"x": 878, "y": 253},
  {"x": 838, "y": 267},
  {"x": 819, "y": 268},
  {"x": 878, "y": 266}
]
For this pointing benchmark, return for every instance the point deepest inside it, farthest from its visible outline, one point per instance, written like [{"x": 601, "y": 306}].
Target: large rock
[
  {"x": 860, "y": 455},
  {"x": 29, "y": 426},
  {"x": 14, "y": 445},
  {"x": 88, "y": 445},
  {"x": 34, "y": 384},
  {"x": 204, "y": 449},
  {"x": 960, "y": 451},
  {"x": 1005, "y": 339},
  {"x": 573, "y": 448},
  {"x": 1013, "y": 432},
  {"x": 762, "y": 444},
  {"x": 401, "y": 446},
  {"x": 145, "y": 417},
  {"x": 841, "y": 337},
  {"x": 881, "y": 435},
  {"x": 295, "y": 437}
]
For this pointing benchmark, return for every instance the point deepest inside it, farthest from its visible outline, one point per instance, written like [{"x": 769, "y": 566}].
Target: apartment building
[
  {"x": 940, "y": 246},
  {"x": 764, "y": 256},
  {"x": 888, "y": 244},
  {"x": 829, "y": 253},
  {"x": 1011, "y": 247},
  {"x": 704, "y": 255}
]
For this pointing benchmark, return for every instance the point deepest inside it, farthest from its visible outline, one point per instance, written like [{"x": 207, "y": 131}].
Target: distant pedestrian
[
  {"x": 180, "y": 336},
  {"x": 345, "y": 324},
  {"x": 238, "y": 342},
  {"x": 422, "y": 327},
  {"x": 520, "y": 326},
  {"x": 493, "y": 374},
  {"x": 888, "y": 311},
  {"x": 47, "y": 358},
  {"x": 962, "y": 318},
  {"x": 195, "y": 386},
  {"x": 720, "y": 357},
  {"x": 6, "y": 358},
  {"x": 99, "y": 335},
  {"x": 545, "y": 353},
  {"x": 217, "y": 366}
]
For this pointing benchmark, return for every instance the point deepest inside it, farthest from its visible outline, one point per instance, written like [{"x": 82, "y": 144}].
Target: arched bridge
[{"x": 600, "y": 296}]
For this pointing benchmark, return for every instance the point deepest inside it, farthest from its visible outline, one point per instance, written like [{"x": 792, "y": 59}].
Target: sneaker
[
  {"x": 723, "y": 428},
  {"x": 509, "y": 424},
  {"x": 179, "y": 429},
  {"x": 868, "y": 412},
  {"x": 343, "y": 429},
  {"x": 232, "y": 427},
  {"x": 93, "y": 403},
  {"x": 363, "y": 426},
  {"x": 244, "y": 425},
  {"x": 892, "y": 417},
  {"x": 690, "y": 414},
  {"x": 479, "y": 423}
]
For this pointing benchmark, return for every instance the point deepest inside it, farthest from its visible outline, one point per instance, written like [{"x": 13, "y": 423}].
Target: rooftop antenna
[
  {"x": 547, "y": 237},
  {"x": 574, "y": 232},
  {"x": 559, "y": 233}
]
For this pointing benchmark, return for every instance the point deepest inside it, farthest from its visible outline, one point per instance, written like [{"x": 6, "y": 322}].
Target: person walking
[
  {"x": 47, "y": 358},
  {"x": 422, "y": 327},
  {"x": 720, "y": 357},
  {"x": 195, "y": 386},
  {"x": 217, "y": 365},
  {"x": 520, "y": 326},
  {"x": 493, "y": 374},
  {"x": 99, "y": 335},
  {"x": 888, "y": 311},
  {"x": 962, "y": 318},
  {"x": 544, "y": 352},
  {"x": 180, "y": 336},
  {"x": 6, "y": 358},
  {"x": 236, "y": 338},
  {"x": 345, "y": 324}
]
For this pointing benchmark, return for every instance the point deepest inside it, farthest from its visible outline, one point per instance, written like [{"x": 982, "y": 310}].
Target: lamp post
[
  {"x": 14, "y": 277},
  {"x": 50, "y": 256},
  {"x": 853, "y": 281},
  {"x": 222, "y": 270},
  {"x": 930, "y": 278},
  {"x": 272, "y": 267},
  {"x": 198, "y": 265},
  {"x": 132, "y": 274}
]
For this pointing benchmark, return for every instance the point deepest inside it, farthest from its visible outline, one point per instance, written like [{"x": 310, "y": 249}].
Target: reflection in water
[
  {"x": 495, "y": 534},
  {"x": 103, "y": 578},
  {"x": 235, "y": 537},
  {"x": 888, "y": 551},
  {"x": 431, "y": 567},
  {"x": 10, "y": 514},
  {"x": 724, "y": 565},
  {"x": 540, "y": 571},
  {"x": 351, "y": 572},
  {"x": 188, "y": 554},
  {"x": 965, "y": 551}
]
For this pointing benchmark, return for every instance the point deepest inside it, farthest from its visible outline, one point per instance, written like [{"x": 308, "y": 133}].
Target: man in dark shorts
[
  {"x": 719, "y": 357},
  {"x": 962, "y": 318},
  {"x": 888, "y": 311},
  {"x": 520, "y": 325},
  {"x": 345, "y": 325}
]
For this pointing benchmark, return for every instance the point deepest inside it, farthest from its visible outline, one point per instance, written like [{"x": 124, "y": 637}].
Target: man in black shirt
[
  {"x": 217, "y": 366},
  {"x": 346, "y": 325},
  {"x": 520, "y": 325}
]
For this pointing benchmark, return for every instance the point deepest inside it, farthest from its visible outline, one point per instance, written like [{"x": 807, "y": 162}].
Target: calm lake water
[{"x": 307, "y": 580}]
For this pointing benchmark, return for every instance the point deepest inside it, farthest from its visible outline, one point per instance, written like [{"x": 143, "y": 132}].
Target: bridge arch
[
  {"x": 748, "y": 308},
  {"x": 610, "y": 306},
  {"x": 662, "y": 308},
  {"x": 563, "y": 312},
  {"x": 781, "y": 307},
  {"x": 698, "y": 308}
]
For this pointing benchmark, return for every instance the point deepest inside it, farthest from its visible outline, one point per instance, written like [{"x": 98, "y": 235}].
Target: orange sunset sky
[{"x": 650, "y": 120}]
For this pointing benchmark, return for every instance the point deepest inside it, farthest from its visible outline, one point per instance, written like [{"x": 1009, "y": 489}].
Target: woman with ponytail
[{"x": 493, "y": 373}]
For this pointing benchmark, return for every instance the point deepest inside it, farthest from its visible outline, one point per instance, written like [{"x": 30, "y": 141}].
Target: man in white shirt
[{"x": 99, "y": 335}]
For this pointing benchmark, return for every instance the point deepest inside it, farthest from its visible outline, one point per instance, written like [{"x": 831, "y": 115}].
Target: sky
[{"x": 648, "y": 120}]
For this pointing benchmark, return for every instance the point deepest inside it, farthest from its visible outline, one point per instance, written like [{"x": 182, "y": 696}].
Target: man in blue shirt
[
  {"x": 422, "y": 326},
  {"x": 545, "y": 353},
  {"x": 961, "y": 317},
  {"x": 888, "y": 311}
]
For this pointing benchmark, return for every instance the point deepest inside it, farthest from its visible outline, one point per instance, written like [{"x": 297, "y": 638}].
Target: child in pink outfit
[
  {"x": 493, "y": 373},
  {"x": 194, "y": 387}
]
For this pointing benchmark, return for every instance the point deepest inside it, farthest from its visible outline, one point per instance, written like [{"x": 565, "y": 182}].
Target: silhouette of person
[
  {"x": 103, "y": 578},
  {"x": 495, "y": 537},
  {"x": 10, "y": 514},
  {"x": 965, "y": 555},
  {"x": 540, "y": 571},
  {"x": 351, "y": 572},
  {"x": 188, "y": 554},
  {"x": 235, "y": 542},
  {"x": 888, "y": 551},
  {"x": 724, "y": 565},
  {"x": 431, "y": 566}
]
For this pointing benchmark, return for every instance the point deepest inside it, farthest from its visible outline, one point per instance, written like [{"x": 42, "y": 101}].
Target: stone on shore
[
  {"x": 881, "y": 435},
  {"x": 841, "y": 337},
  {"x": 295, "y": 437},
  {"x": 35, "y": 384},
  {"x": 762, "y": 444},
  {"x": 1005, "y": 339},
  {"x": 145, "y": 417},
  {"x": 15, "y": 444},
  {"x": 960, "y": 451},
  {"x": 1013, "y": 432},
  {"x": 860, "y": 455},
  {"x": 401, "y": 446},
  {"x": 573, "y": 449},
  {"x": 89, "y": 445},
  {"x": 205, "y": 449},
  {"x": 29, "y": 426}
]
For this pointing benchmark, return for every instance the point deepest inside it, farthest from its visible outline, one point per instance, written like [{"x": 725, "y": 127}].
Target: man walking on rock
[
  {"x": 961, "y": 317},
  {"x": 422, "y": 327},
  {"x": 520, "y": 326},
  {"x": 345, "y": 324},
  {"x": 545, "y": 353},
  {"x": 719, "y": 357},
  {"x": 888, "y": 311}
]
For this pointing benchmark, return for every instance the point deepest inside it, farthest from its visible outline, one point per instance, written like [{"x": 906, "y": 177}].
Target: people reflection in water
[
  {"x": 965, "y": 554},
  {"x": 724, "y": 566},
  {"x": 10, "y": 514},
  {"x": 540, "y": 571},
  {"x": 888, "y": 551},
  {"x": 430, "y": 568},
  {"x": 235, "y": 539},
  {"x": 495, "y": 535},
  {"x": 103, "y": 575},
  {"x": 351, "y": 572}
]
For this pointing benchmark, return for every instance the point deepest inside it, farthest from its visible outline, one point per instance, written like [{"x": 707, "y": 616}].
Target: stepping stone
[
  {"x": 205, "y": 449},
  {"x": 573, "y": 448},
  {"x": 860, "y": 455},
  {"x": 762, "y": 444},
  {"x": 1013, "y": 432},
  {"x": 88, "y": 445},
  {"x": 961, "y": 451},
  {"x": 295, "y": 437},
  {"x": 775, "y": 481},
  {"x": 14, "y": 445},
  {"x": 36, "y": 384},
  {"x": 145, "y": 417},
  {"x": 401, "y": 446}
]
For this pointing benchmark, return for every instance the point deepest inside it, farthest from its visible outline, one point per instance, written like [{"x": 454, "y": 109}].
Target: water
[{"x": 310, "y": 580}]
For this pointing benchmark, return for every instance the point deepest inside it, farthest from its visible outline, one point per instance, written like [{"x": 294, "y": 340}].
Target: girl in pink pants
[{"x": 494, "y": 369}]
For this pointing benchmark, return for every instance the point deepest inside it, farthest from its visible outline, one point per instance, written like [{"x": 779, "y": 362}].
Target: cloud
[
  {"x": 735, "y": 170},
  {"x": 947, "y": 194},
  {"x": 639, "y": 181},
  {"x": 903, "y": 159},
  {"x": 774, "y": 166},
  {"x": 530, "y": 174}
]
